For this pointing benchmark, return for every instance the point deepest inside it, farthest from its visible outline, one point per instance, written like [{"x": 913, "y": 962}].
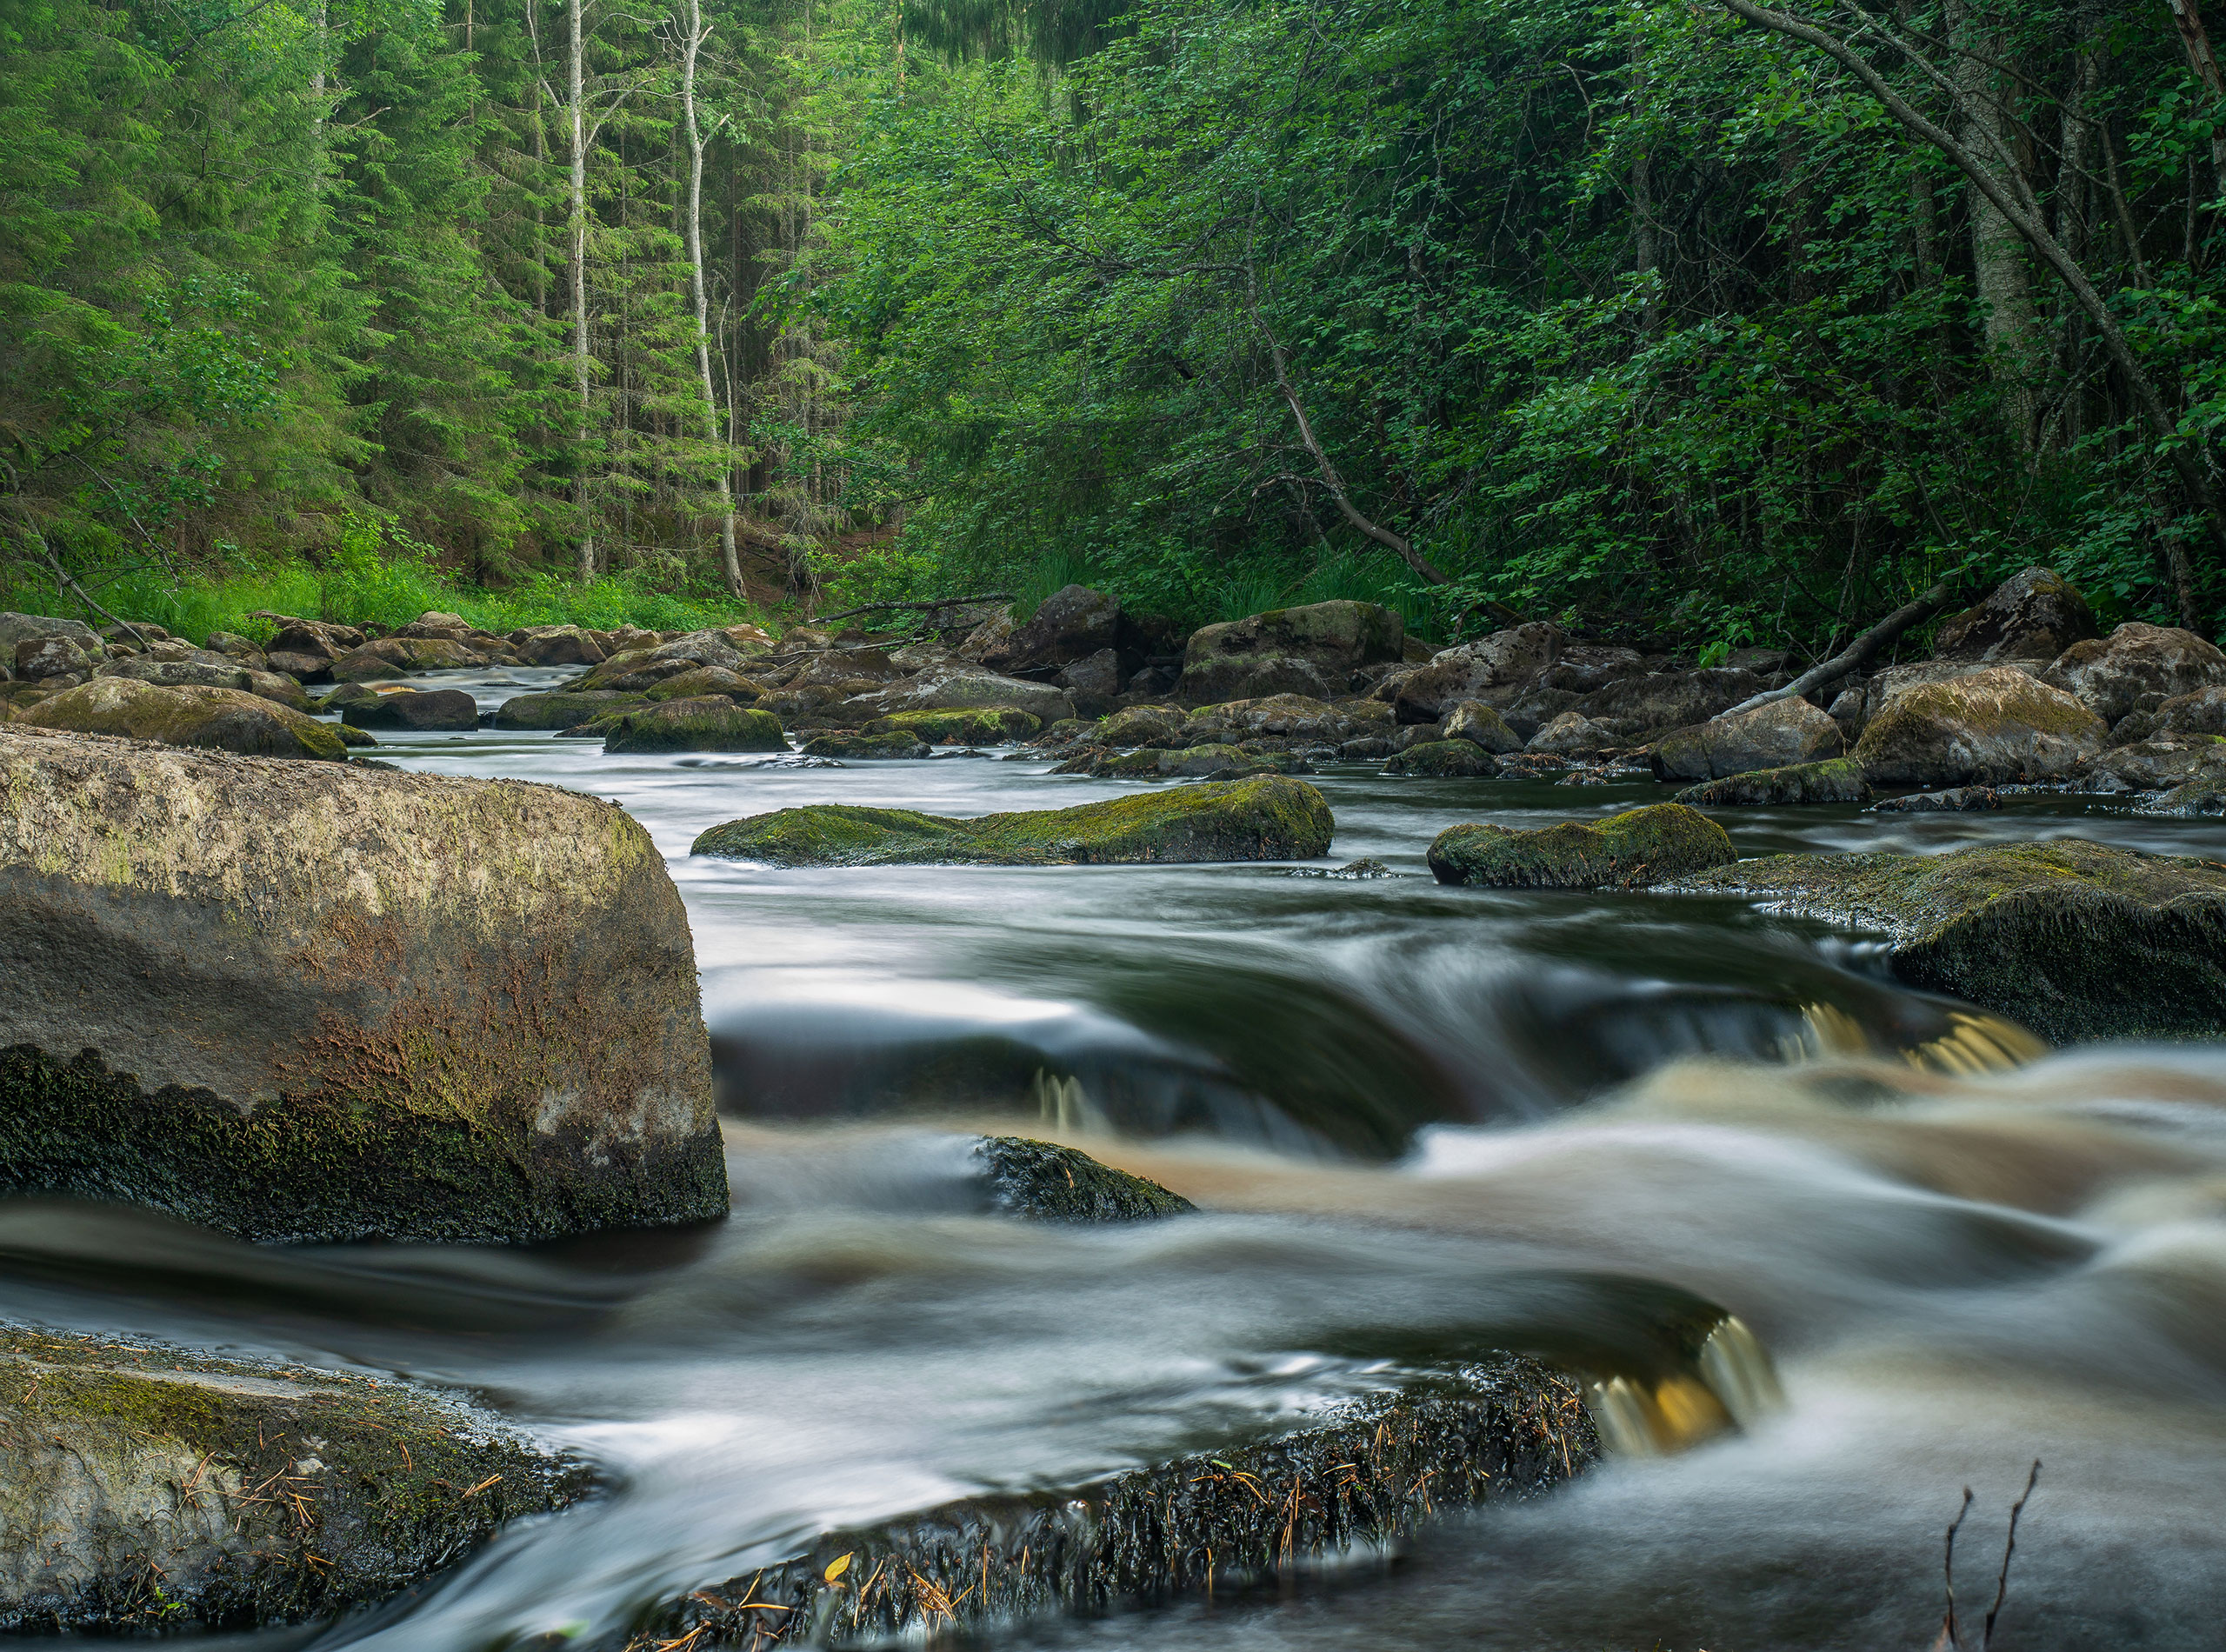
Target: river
[{"x": 1397, "y": 1101}]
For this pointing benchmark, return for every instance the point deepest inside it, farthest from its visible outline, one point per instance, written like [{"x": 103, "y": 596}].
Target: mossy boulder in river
[
  {"x": 851, "y": 742},
  {"x": 439, "y": 708},
  {"x": 1628, "y": 851},
  {"x": 146, "y": 1491},
  {"x": 1047, "y": 1182},
  {"x": 1993, "y": 727},
  {"x": 968, "y": 726},
  {"x": 563, "y": 709},
  {"x": 707, "y": 722},
  {"x": 1781, "y": 734},
  {"x": 1219, "y": 762},
  {"x": 213, "y": 719},
  {"x": 1837, "y": 780},
  {"x": 1445, "y": 760},
  {"x": 315, "y": 1002},
  {"x": 2077, "y": 939},
  {"x": 1270, "y": 817}
]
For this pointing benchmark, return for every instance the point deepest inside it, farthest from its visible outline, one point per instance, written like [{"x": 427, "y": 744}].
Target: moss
[
  {"x": 848, "y": 742},
  {"x": 1360, "y": 1475},
  {"x": 1837, "y": 780},
  {"x": 1445, "y": 759},
  {"x": 273, "y": 1494},
  {"x": 973, "y": 726},
  {"x": 212, "y": 719},
  {"x": 2077, "y": 939},
  {"x": 1050, "y": 1184},
  {"x": 1630, "y": 850},
  {"x": 1218, "y": 760},
  {"x": 707, "y": 679},
  {"x": 707, "y": 722},
  {"x": 563, "y": 709},
  {"x": 1269, "y": 817},
  {"x": 1988, "y": 727}
]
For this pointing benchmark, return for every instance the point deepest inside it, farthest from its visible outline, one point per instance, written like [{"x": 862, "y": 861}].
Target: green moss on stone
[
  {"x": 1269, "y": 817},
  {"x": 1445, "y": 759},
  {"x": 563, "y": 709},
  {"x": 707, "y": 722},
  {"x": 855, "y": 744},
  {"x": 972, "y": 726},
  {"x": 210, "y": 719},
  {"x": 1837, "y": 780},
  {"x": 1630, "y": 850},
  {"x": 1047, "y": 1182}
]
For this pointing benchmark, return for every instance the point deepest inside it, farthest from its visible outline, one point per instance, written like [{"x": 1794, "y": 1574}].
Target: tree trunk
[
  {"x": 576, "y": 271},
  {"x": 1998, "y": 256},
  {"x": 692, "y": 43},
  {"x": 2205, "y": 65}
]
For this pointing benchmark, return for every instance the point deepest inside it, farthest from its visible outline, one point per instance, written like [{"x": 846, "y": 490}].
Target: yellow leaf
[{"x": 837, "y": 1567}]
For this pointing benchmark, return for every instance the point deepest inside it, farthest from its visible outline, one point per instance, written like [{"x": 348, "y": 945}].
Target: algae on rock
[
  {"x": 1267, "y": 817},
  {"x": 1047, "y": 1182},
  {"x": 1630, "y": 850},
  {"x": 212, "y": 719}
]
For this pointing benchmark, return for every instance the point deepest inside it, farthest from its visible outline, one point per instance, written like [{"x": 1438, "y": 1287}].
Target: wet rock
[
  {"x": 1638, "y": 706},
  {"x": 850, "y": 744},
  {"x": 1956, "y": 800},
  {"x": 1445, "y": 759},
  {"x": 968, "y": 690},
  {"x": 707, "y": 679},
  {"x": 711, "y": 723},
  {"x": 1270, "y": 817},
  {"x": 1479, "y": 724},
  {"x": 1631, "y": 850},
  {"x": 2204, "y": 796},
  {"x": 307, "y": 1002},
  {"x": 1464, "y": 671},
  {"x": 209, "y": 672},
  {"x": 2156, "y": 765},
  {"x": 1574, "y": 735},
  {"x": 1286, "y": 718},
  {"x": 1312, "y": 650},
  {"x": 1046, "y": 1182},
  {"x": 2109, "y": 675},
  {"x": 561, "y": 708},
  {"x": 555, "y": 646},
  {"x": 2073, "y": 939},
  {"x": 1995, "y": 726},
  {"x": 1586, "y": 668},
  {"x": 1073, "y": 624},
  {"x": 2035, "y": 615},
  {"x": 1836, "y": 780},
  {"x": 966, "y": 726},
  {"x": 1187, "y": 763},
  {"x": 1782, "y": 734},
  {"x": 147, "y": 1491},
  {"x": 1367, "y": 748},
  {"x": 214, "y": 719},
  {"x": 442, "y": 709},
  {"x": 1354, "y": 1479},
  {"x": 1141, "y": 725}
]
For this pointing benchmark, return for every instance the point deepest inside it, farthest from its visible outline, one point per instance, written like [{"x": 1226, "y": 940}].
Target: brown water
[{"x": 1424, "y": 1121}]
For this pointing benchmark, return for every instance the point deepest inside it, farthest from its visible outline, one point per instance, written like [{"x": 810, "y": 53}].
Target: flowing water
[{"x": 1423, "y": 1121}]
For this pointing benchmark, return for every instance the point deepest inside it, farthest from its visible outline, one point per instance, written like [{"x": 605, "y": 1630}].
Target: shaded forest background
[{"x": 1645, "y": 315}]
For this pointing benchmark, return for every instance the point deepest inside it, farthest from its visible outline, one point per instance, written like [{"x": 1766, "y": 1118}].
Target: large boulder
[
  {"x": 2111, "y": 675},
  {"x": 2077, "y": 939},
  {"x": 1073, "y": 624},
  {"x": 24, "y": 628},
  {"x": 1479, "y": 724},
  {"x": 555, "y": 646},
  {"x": 1289, "y": 718},
  {"x": 2035, "y": 615},
  {"x": 2156, "y": 764},
  {"x": 707, "y": 679},
  {"x": 1630, "y": 850},
  {"x": 1637, "y": 707},
  {"x": 1313, "y": 650},
  {"x": 317, "y": 1003},
  {"x": 442, "y": 709},
  {"x": 1776, "y": 736},
  {"x": 215, "y": 719},
  {"x": 1836, "y": 780},
  {"x": 135, "y": 1488},
  {"x": 211, "y": 674},
  {"x": 1466, "y": 670},
  {"x": 39, "y": 658},
  {"x": 710, "y": 723},
  {"x": 1574, "y": 735},
  {"x": 1993, "y": 727},
  {"x": 1445, "y": 759},
  {"x": 563, "y": 709},
  {"x": 1271, "y": 817},
  {"x": 966, "y": 689}
]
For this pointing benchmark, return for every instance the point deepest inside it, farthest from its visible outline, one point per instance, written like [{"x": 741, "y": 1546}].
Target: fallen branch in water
[
  {"x": 1859, "y": 651},
  {"x": 1951, "y": 1627}
]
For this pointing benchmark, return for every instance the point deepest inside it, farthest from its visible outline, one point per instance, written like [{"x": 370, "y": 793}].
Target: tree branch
[{"x": 1861, "y": 649}]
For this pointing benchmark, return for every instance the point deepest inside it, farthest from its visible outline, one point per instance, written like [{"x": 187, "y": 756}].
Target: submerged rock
[
  {"x": 1445, "y": 760},
  {"x": 1051, "y": 1183},
  {"x": 1782, "y": 734},
  {"x": 212, "y": 719},
  {"x": 1630, "y": 850},
  {"x": 708, "y": 722},
  {"x": 2077, "y": 939},
  {"x": 146, "y": 1491},
  {"x": 1269, "y": 817},
  {"x": 1836, "y": 780},
  {"x": 314, "y": 1002},
  {"x": 1989, "y": 728},
  {"x": 1956, "y": 800}
]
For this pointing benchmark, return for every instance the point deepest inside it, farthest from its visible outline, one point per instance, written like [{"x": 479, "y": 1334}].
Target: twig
[
  {"x": 1856, "y": 652},
  {"x": 1948, "y": 1630},
  {"x": 2010, "y": 1548}
]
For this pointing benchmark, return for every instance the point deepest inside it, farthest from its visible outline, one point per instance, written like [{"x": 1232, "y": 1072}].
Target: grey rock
[{"x": 2035, "y": 615}]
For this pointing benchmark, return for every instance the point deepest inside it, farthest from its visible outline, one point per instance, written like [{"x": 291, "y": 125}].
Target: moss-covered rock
[
  {"x": 857, "y": 743},
  {"x": 963, "y": 726},
  {"x": 440, "y": 708},
  {"x": 2077, "y": 939},
  {"x": 1270, "y": 817},
  {"x": 1445, "y": 759},
  {"x": 1837, "y": 780},
  {"x": 1630, "y": 850},
  {"x": 147, "y": 1491},
  {"x": 1988, "y": 728},
  {"x": 1312, "y": 650},
  {"x": 314, "y": 1001},
  {"x": 211, "y": 672},
  {"x": 1783, "y": 734},
  {"x": 707, "y": 679},
  {"x": 212, "y": 719},
  {"x": 707, "y": 722},
  {"x": 1481, "y": 725},
  {"x": 1141, "y": 725},
  {"x": 1189, "y": 762},
  {"x": 2111, "y": 675},
  {"x": 564, "y": 708},
  {"x": 1047, "y": 1182}
]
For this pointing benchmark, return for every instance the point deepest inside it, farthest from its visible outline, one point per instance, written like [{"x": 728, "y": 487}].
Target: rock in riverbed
[
  {"x": 1630, "y": 850},
  {"x": 965, "y": 726},
  {"x": 439, "y": 708},
  {"x": 844, "y": 743},
  {"x": 213, "y": 719},
  {"x": 307, "y": 1002},
  {"x": 2077, "y": 939},
  {"x": 563, "y": 709},
  {"x": 1837, "y": 780},
  {"x": 144, "y": 1489},
  {"x": 707, "y": 722},
  {"x": 1046, "y": 1182},
  {"x": 1271, "y": 817},
  {"x": 1782, "y": 734},
  {"x": 1445, "y": 760},
  {"x": 1995, "y": 726}
]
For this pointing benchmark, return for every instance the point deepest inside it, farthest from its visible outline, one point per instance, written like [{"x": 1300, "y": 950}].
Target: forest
[{"x": 1701, "y": 321}]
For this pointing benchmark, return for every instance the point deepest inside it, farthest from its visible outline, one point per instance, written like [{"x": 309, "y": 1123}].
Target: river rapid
[{"x": 1423, "y": 1120}]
